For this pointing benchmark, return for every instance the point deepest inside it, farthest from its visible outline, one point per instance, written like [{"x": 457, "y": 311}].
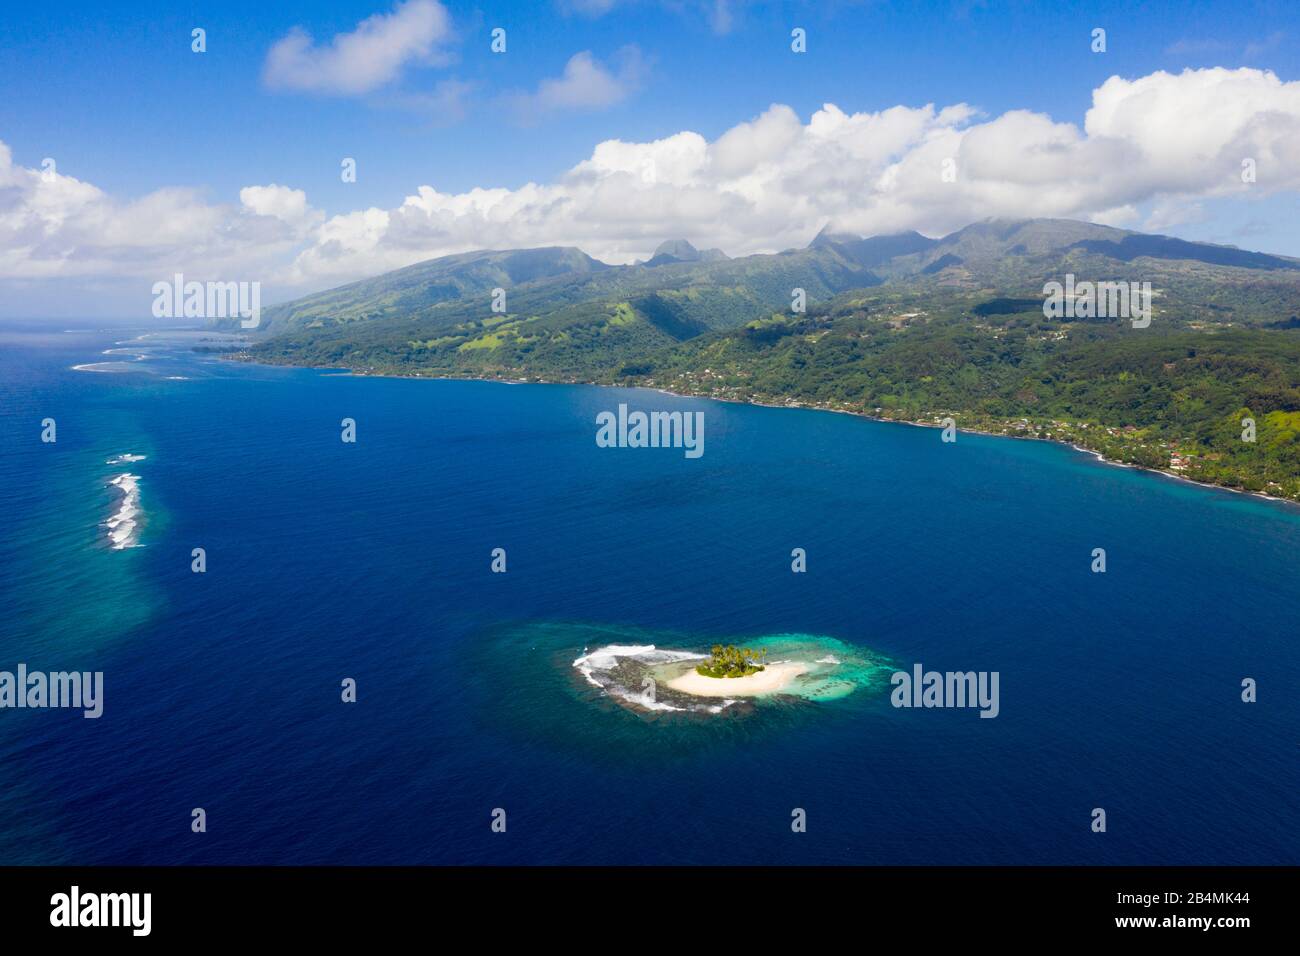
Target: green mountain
[
  {"x": 566, "y": 313},
  {"x": 413, "y": 290},
  {"x": 899, "y": 326},
  {"x": 561, "y": 307}
]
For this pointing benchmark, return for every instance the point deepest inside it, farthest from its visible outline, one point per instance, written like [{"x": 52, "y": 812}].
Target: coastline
[{"x": 805, "y": 406}]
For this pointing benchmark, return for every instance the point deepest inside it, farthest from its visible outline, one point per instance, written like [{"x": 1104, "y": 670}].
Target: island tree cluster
[{"x": 732, "y": 661}]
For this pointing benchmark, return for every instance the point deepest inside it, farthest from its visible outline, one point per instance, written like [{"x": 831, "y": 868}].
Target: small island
[{"x": 648, "y": 676}]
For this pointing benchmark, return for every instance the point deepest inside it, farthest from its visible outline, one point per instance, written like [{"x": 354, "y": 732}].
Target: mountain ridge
[{"x": 989, "y": 252}]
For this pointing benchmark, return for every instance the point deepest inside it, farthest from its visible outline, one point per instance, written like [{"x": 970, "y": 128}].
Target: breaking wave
[{"x": 124, "y": 526}]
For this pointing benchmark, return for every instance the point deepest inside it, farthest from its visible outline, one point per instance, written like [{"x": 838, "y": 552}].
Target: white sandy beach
[{"x": 770, "y": 680}]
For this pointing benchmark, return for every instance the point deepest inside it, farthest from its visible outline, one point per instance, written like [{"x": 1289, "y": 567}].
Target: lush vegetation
[
  {"x": 899, "y": 327},
  {"x": 732, "y": 661},
  {"x": 1175, "y": 400}
]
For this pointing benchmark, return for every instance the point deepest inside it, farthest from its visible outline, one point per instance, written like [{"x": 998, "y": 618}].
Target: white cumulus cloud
[
  {"x": 366, "y": 59},
  {"x": 585, "y": 84},
  {"x": 1158, "y": 145}
]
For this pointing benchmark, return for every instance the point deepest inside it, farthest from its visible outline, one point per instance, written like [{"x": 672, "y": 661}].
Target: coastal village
[{"x": 1126, "y": 444}]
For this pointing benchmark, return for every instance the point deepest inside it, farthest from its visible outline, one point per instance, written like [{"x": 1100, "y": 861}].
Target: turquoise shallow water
[{"x": 372, "y": 561}]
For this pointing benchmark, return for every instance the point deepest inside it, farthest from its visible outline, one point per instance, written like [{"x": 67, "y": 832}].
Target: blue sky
[{"x": 114, "y": 94}]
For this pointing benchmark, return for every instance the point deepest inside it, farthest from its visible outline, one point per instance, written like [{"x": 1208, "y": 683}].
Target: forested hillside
[{"x": 894, "y": 326}]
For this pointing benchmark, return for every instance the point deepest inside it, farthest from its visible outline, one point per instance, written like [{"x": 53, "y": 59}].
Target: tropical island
[
  {"x": 656, "y": 677},
  {"x": 898, "y": 327}
]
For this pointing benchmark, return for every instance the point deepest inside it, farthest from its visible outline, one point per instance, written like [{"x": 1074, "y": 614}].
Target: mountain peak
[
  {"x": 873, "y": 250},
  {"x": 680, "y": 250},
  {"x": 677, "y": 249},
  {"x": 829, "y": 237}
]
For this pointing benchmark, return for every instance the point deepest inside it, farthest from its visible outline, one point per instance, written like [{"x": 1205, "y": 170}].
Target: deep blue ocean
[{"x": 371, "y": 561}]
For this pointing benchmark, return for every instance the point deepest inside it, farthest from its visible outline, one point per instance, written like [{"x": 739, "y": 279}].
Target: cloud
[
  {"x": 1172, "y": 213},
  {"x": 1156, "y": 146},
  {"x": 369, "y": 57},
  {"x": 1216, "y": 47},
  {"x": 1188, "y": 46},
  {"x": 586, "y": 8},
  {"x": 720, "y": 15},
  {"x": 280, "y": 202},
  {"x": 585, "y": 84},
  {"x": 447, "y": 103},
  {"x": 771, "y": 182},
  {"x": 54, "y": 226},
  {"x": 1257, "y": 48}
]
